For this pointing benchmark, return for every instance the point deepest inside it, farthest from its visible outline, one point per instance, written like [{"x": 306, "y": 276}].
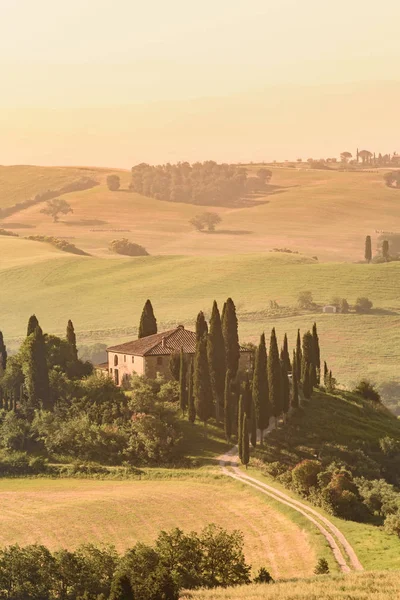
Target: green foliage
[
  {"x": 3, "y": 355},
  {"x": 228, "y": 408},
  {"x": 202, "y": 384},
  {"x": 363, "y": 305},
  {"x": 201, "y": 326},
  {"x": 113, "y": 183},
  {"x": 58, "y": 243},
  {"x": 127, "y": 248},
  {"x": 285, "y": 389},
  {"x": 71, "y": 339},
  {"x": 322, "y": 567},
  {"x": 205, "y": 220},
  {"x": 305, "y": 476},
  {"x": 275, "y": 377},
  {"x": 240, "y": 427},
  {"x": 294, "y": 402},
  {"x": 36, "y": 371},
  {"x": 367, "y": 390},
  {"x": 32, "y": 324},
  {"x": 121, "y": 588},
  {"x": 231, "y": 337},
  {"x": 148, "y": 322},
  {"x": 260, "y": 390},
  {"x": 191, "y": 404},
  {"x": 216, "y": 359},
  {"x": 245, "y": 441},
  {"x": 175, "y": 365},
  {"x": 285, "y": 357},
  {"x": 183, "y": 392},
  {"x": 263, "y": 576},
  {"x": 368, "y": 249},
  {"x": 305, "y": 300},
  {"x": 57, "y": 207}
]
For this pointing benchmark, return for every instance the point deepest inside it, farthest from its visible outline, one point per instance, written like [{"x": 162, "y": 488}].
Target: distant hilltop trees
[{"x": 207, "y": 183}]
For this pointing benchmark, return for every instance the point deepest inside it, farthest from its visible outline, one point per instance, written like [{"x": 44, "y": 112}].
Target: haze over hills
[{"x": 266, "y": 123}]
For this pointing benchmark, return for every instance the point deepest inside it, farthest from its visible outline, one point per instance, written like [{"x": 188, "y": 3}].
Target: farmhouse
[
  {"x": 150, "y": 355},
  {"x": 329, "y": 309}
]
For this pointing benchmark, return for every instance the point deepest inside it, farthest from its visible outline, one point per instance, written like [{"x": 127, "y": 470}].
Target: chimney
[
  {"x": 163, "y": 342},
  {"x": 181, "y": 327}
]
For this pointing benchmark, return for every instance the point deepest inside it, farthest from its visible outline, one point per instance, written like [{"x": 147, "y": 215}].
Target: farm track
[{"x": 342, "y": 550}]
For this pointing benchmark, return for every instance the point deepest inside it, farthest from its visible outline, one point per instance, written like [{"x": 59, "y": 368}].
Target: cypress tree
[
  {"x": 312, "y": 375},
  {"x": 307, "y": 383},
  {"x": 385, "y": 250},
  {"x": 285, "y": 354},
  {"x": 202, "y": 385},
  {"x": 32, "y": 324},
  {"x": 262, "y": 407},
  {"x": 285, "y": 390},
  {"x": 191, "y": 406},
  {"x": 368, "y": 249},
  {"x": 36, "y": 372},
  {"x": 317, "y": 354},
  {"x": 275, "y": 378},
  {"x": 148, "y": 322},
  {"x": 175, "y": 365},
  {"x": 3, "y": 354},
  {"x": 326, "y": 373},
  {"x": 295, "y": 383},
  {"x": 309, "y": 357},
  {"x": 201, "y": 326},
  {"x": 5, "y": 401},
  {"x": 253, "y": 435},
  {"x": 247, "y": 398},
  {"x": 71, "y": 339},
  {"x": 299, "y": 354},
  {"x": 182, "y": 382},
  {"x": 216, "y": 360},
  {"x": 228, "y": 406},
  {"x": 121, "y": 588},
  {"x": 245, "y": 442},
  {"x": 231, "y": 337},
  {"x": 240, "y": 427}
]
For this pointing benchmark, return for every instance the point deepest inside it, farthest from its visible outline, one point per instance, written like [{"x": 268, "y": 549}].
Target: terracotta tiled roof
[
  {"x": 102, "y": 366},
  {"x": 164, "y": 343}
]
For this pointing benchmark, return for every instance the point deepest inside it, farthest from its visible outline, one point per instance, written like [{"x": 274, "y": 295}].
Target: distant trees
[
  {"x": 206, "y": 220},
  {"x": 363, "y": 305},
  {"x": 207, "y": 183},
  {"x": 264, "y": 175},
  {"x": 113, "y": 183},
  {"x": 367, "y": 390},
  {"x": 345, "y": 157},
  {"x": 368, "y": 249},
  {"x": 127, "y": 248},
  {"x": 305, "y": 300},
  {"x": 57, "y": 207},
  {"x": 148, "y": 322}
]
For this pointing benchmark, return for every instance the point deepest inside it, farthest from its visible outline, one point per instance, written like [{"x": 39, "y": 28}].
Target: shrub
[
  {"x": 363, "y": 305},
  {"x": 322, "y": 567},
  {"x": 113, "y": 183},
  {"x": 305, "y": 300},
  {"x": 207, "y": 220},
  {"x": 305, "y": 476},
  {"x": 58, "y": 243},
  {"x": 8, "y": 233},
  {"x": 367, "y": 390},
  {"x": 263, "y": 576},
  {"x": 392, "y": 524},
  {"x": 127, "y": 248}
]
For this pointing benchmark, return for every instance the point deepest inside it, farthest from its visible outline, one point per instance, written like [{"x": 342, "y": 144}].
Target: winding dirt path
[{"x": 229, "y": 463}]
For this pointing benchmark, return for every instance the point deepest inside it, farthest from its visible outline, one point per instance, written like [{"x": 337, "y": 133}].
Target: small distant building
[
  {"x": 329, "y": 309},
  {"x": 150, "y": 355}
]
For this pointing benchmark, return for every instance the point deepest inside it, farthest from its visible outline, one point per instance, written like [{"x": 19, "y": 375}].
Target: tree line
[{"x": 207, "y": 183}]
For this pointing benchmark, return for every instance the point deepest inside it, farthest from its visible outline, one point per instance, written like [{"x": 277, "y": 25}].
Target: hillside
[
  {"x": 360, "y": 586},
  {"x": 322, "y": 213},
  {"x": 104, "y": 298}
]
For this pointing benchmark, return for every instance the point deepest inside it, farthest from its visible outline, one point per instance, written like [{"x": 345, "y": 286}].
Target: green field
[
  {"x": 361, "y": 586},
  {"x": 66, "y": 513},
  {"x": 104, "y": 299}
]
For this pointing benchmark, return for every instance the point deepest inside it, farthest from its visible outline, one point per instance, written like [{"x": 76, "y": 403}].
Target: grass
[
  {"x": 104, "y": 298},
  {"x": 357, "y": 586},
  {"x": 66, "y": 513},
  {"x": 327, "y": 213}
]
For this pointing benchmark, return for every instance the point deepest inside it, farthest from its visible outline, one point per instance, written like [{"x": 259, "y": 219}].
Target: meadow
[
  {"x": 360, "y": 586},
  {"x": 104, "y": 299}
]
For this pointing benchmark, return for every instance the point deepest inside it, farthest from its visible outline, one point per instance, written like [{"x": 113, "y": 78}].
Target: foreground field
[
  {"x": 323, "y": 213},
  {"x": 66, "y": 513},
  {"x": 104, "y": 299},
  {"x": 361, "y": 586}
]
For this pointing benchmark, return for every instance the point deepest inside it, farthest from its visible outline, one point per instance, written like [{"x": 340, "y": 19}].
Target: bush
[
  {"x": 207, "y": 220},
  {"x": 392, "y": 524},
  {"x": 8, "y": 233},
  {"x": 363, "y": 305},
  {"x": 113, "y": 183},
  {"x": 58, "y": 243},
  {"x": 127, "y": 248},
  {"x": 263, "y": 576},
  {"x": 305, "y": 300},
  {"x": 305, "y": 476},
  {"x": 322, "y": 567},
  {"x": 367, "y": 390}
]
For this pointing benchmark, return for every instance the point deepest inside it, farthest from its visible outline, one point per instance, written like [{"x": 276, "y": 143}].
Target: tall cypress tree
[
  {"x": 299, "y": 355},
  {"x": 121, "y": 588},
  {"x": 3, "y": 354},
  {"x": 285, "y": 354},
  {"x": 216, "y": 360},
  {"x": 191, "y": 406},
  {"x": 36, "y": 372},
  {"x": 231, "y": 337},
  {"x": 275, "y": 378},
  {"x": 245, "y": 442},
  {"x": 247, "y": 397},
  {"x": 71, "y": 339},
  {"x": 326, "y": 373},
  {"x": 32, "y": 324},
  {"x": 368, "y": 249},
  {"x": 182, "y": 382},
  {"x": 253, "y": 425},
  {"x": 285, "y": 390},
  {"x": 317, "y": 354},
  {"x": 201, "y": 326},
  {"x": 202, "y": 385},
  {"x": 295, "y": 383},
  {"x": 228, "y": 405},
  {"x": 308, "y": 357},
  {"x": 260, "y": 388},
  {"x": 148, "y": 322},
  {"x": 240, "y": 427},
  {"x": 307, "y": 382}
]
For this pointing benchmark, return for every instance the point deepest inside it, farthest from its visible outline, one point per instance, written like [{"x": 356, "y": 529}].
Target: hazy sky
[{"x": 61, "y": 58}]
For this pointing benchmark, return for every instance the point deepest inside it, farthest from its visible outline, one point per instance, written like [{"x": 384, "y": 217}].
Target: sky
[{"x": 72, "y": 71}]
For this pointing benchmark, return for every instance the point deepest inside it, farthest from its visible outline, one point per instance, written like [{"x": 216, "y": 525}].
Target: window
[
  {"x": 116, "y": 360},
  {"x": 124, "y": 358},
  {"x": 116, "y": 377},
  {"x": 159, "y": 360},
  {"x": 111, "y": 371},
  {"x": 133, "y": 359}
]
